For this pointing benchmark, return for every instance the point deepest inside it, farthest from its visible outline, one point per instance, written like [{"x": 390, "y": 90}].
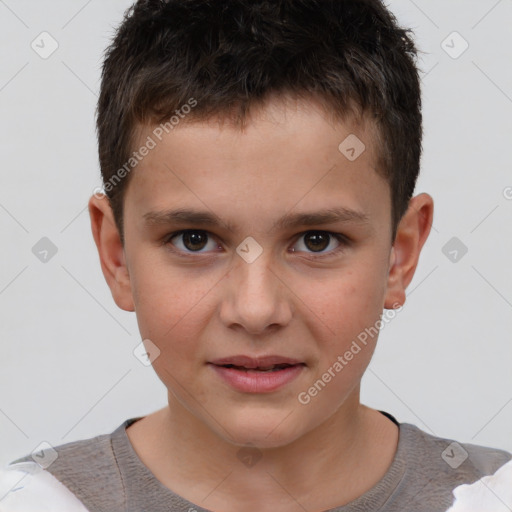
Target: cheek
[
  {"x": 171, "y": 311},
  {"x": 349, "y": 302},
  {"x": 350, "y": 308},
  {"x": 177, "y": 333},
  {"x": 345, "y": 341}
]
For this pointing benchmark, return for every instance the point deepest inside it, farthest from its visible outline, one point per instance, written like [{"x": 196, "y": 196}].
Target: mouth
[
  {"x": 267, "y": 363},
  {"x": 273, "y": 368},
  {"x": 257, "y": 374}
]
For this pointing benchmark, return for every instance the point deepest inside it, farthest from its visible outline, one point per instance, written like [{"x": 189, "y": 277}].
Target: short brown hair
[{"x": 231, "y": 55}]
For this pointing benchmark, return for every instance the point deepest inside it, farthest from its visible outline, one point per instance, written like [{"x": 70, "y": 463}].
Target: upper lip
[{"x": 255, "y": 362}]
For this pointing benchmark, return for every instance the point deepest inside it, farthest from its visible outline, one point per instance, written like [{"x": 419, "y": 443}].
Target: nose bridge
[
  {"x": 257, "y": 276},
  {"x": 256, "y": 297}
]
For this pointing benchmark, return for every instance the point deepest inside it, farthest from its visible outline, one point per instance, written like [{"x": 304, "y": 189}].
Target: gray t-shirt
[{"x": 106, "y": 474}]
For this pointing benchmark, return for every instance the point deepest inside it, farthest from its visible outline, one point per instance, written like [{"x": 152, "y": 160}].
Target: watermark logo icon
[
  {"x": 44, "y": 454},
  {"x": 454, "y": 455},
  {"x": 146, "y": 352},
  {"x": 44, "y": 45},
  {"x": 352, "y": 147},
  {"x": 249, "y": 249},
  {"x": 44, "y": 250},
  {"x": 454, "y": 45},
  {"x": 454, "y": 249},
  {"x": 249, "y": 456}
]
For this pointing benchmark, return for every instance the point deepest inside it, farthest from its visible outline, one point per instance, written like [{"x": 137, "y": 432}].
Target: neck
[{"x": 356, "y": 445}]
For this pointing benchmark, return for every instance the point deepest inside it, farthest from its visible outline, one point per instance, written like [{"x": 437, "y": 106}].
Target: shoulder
[
  {"x": 27, "y": 487},
  {"x": 437, "y": 466},
  {"x": 87, "y": 469},
  {"x": 466, "y": 460}
]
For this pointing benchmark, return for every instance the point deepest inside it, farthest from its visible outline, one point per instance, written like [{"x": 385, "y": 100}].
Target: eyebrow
[{"x": 289, "y": 220}]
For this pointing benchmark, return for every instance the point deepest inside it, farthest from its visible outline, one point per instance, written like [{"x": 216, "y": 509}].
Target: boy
[{"x": 234, "y": 137}]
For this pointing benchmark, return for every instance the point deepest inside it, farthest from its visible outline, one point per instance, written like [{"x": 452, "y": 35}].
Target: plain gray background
[{"x": 67, "y": 366}]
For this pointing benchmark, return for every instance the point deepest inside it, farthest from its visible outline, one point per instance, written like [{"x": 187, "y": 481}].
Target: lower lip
[{"x": 257, "y": 381}]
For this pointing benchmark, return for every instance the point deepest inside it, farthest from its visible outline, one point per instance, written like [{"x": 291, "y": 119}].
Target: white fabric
[
  {"x": 491, "y": 493},
  {"x": 27, "y": 487}
]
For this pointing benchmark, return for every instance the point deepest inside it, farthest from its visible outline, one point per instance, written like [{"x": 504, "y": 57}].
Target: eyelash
[{"x": 342, "y": 239}]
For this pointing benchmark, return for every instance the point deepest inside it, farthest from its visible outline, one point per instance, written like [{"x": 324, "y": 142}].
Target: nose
[{"x": 255, "y": 297}]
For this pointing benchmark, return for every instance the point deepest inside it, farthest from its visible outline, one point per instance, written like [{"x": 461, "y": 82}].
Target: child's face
[{"x": 198, "y": 300}]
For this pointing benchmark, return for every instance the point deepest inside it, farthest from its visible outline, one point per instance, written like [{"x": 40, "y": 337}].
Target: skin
[{"x": 215, "y": 304}]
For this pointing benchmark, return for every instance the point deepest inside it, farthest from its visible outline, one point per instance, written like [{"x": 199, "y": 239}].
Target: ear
[
  {"x": 412, "y": 233},
  {"x": 111, "y": 251}
]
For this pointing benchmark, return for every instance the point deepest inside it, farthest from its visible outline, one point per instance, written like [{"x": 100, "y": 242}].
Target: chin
[{"x": 264, "y": 430}]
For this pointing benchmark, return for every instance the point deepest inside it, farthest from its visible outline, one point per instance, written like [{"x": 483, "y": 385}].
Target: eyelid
[
  {"x": 340, "y": 237},
  {"x": 343, "y": 240},
  {"x": 166, "y": 241}
]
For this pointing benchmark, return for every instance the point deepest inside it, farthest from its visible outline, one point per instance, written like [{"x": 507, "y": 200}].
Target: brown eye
[
  {"x": 317, "y": 241},
  {"x": 191, "y": 240},
  {"x": 194, "y": 241}
]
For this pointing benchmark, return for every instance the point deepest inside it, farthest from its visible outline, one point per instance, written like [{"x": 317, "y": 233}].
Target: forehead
[{"x": 289, "y": 156}]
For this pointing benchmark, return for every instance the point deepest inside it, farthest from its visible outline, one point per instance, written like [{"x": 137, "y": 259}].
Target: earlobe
[
  {"x": 412, "y": 233},
  {"x": 395, "y": 294},
  {"x": 111, "y": 251}
]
